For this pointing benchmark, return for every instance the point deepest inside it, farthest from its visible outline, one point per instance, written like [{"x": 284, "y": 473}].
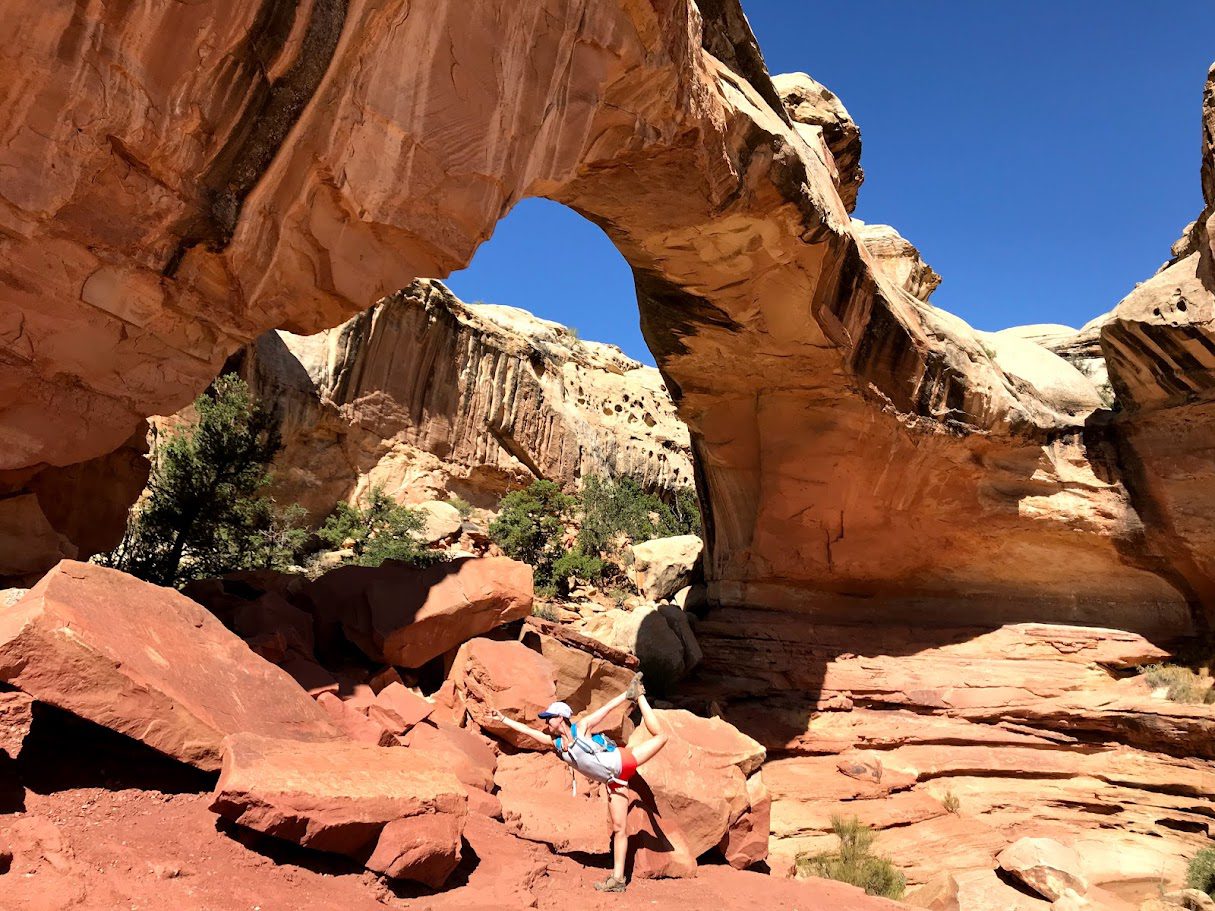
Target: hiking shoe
[
  {"x": 611, "y": 884},
  {"x": 634, "y": 689}
]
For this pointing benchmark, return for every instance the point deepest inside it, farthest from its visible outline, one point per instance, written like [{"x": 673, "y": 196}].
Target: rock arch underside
[{"x": 901, "y": 513}]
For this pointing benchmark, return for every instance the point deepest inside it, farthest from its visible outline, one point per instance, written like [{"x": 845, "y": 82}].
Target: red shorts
[{"x": 628, "y": 768}]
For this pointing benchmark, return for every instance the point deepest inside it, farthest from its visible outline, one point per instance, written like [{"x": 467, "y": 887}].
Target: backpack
[{"x": 604, "y": 744}]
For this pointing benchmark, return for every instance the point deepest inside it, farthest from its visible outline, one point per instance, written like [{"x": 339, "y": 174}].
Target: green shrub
[
  {"x": 380, "y": 530},
  {"x": 544, "y": 611},
  {"x": 1182, "y": 683},
  {"x": 204, "y": 512},
  {"x": 574, "y": 564},
  {"x": 615, "y": 512},
  {"x": 463, "y": 507},
  {"x": 855, "y": 863},
  {"x": 530, "y": 525},
  {"x": 1201, "y": 872}
]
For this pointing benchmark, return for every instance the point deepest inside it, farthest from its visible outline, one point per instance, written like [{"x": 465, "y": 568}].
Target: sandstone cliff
[{"x": 427, "y": 396}]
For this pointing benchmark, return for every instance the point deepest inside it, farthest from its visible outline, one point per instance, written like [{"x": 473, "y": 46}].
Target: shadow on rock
[{"x": 50, "y": 760}]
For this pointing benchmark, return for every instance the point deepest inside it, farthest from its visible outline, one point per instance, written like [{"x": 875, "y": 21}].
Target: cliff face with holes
[
  {"x": 427, "y": 396},
  {"x": 174, "y": 182}
]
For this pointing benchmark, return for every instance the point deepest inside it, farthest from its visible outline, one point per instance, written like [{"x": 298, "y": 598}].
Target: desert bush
[
  {"x": 854, "y": 862},
  {"x": 463, "y": 507},
  {"x": 204, "y": 512},
  {"x": 380, "y": 529},
  {"x": 530, "y": 526},
  {"x": 621, "y": 511},
  {"x": 544, "y": 611},
  {"x": 1201, "y": 872},
  {"x": 951, "y": 803},
  {"x": 574, "y": 564},
  {"x": 1182, "y": 683}
]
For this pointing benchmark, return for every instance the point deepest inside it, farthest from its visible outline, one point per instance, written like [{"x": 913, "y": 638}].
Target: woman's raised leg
[{"x": 644, "y": 752}]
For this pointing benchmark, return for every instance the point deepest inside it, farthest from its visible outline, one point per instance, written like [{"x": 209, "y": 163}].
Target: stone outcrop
[
  {"x": 405, "y": 616},
  {"x": 663, "y": 566},
  {"x": 188, "y": 684},
  {"x": 427, "y": 396},
  {"x": 396, "y": 810},
  {"x": 956, "y": 743}
]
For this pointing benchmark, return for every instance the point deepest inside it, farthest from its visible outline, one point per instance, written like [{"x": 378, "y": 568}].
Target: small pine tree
[
  {"x": 854, "y": 862},
  {"x": 530, "y": 525},
  {"x": 203, "y": 513},
  {"x": 380, "y": 529}
]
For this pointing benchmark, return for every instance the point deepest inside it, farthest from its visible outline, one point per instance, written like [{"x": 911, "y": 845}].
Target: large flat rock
[
  {"x": 149, "y": 663},
  {"x": 395, "y": 809}
]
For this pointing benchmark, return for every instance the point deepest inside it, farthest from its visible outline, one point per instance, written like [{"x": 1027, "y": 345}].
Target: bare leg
[
  {"x": 618, "y": 810},
  {"x": 648, "y": 717},
  {"x": 644, "y": 752}
]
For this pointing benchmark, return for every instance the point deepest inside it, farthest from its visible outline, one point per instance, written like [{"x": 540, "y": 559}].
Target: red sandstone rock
[
  {"x": 508, "y": 677},
  {"x": 353, "y": 723},
  {"x": 746, "y": 841},
  {"x": 149, "y": 663},
  {"x": 405, "y": 616},
  {"x": 465, "y": 752},
  {"x": 344, "y": 798},
  {"x": 424, "y": 848},
  {"x": 309, "y": 675},
  {"x": 404, "y": 703},
  {"x": 588, "y": 672},
  {"x": 16, "y": 713},
  {"x": 538, "y": 804},
  {"x": 692, "y": 792}
]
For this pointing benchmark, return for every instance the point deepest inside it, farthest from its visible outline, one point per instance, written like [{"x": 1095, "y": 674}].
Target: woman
[{"x": 596, "y": 757}]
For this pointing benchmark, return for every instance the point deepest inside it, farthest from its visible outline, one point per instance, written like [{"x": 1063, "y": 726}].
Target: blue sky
[{"x": 1042, "y": 155}]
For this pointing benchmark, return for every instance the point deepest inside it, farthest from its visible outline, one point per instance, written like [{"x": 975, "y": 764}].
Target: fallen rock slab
[
  {"x": 150, "y": 663},
  {"x": 507, "y": 677},
  {"x": 1047, "y": 867},
  {"x": 463, "y": 752},
  {"x": 405, "y": 616},
  {"x": 396, "y": 810}
]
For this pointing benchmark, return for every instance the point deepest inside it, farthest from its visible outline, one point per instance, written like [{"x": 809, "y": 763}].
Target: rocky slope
[
  {"x": 261, "y": 170},
  {"x": 427, "y": 396}
]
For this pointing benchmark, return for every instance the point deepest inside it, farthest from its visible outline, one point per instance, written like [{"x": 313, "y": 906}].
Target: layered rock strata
[{"x": 426, "y": 396}]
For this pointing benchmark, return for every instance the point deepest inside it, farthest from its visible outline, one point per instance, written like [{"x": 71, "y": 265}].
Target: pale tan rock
[
  {"x": 442, "y": 521},
  {"x": 814, "y": 106},
  {"x": 898, "y": 259},
  {"x": 663, "y": 566},
  {"x": 1047, "y": 867},
  {"x": 659, "y": 635}
]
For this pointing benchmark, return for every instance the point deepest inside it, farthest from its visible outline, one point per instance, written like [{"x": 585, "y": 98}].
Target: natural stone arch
[{"x": 217, "y": 180}]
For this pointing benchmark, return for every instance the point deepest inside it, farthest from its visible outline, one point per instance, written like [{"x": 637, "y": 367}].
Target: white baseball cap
[{"x": 557, "y": 710}]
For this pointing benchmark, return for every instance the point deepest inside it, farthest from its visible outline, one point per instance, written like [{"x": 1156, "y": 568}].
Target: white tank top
[{"x": 601, "y": 766}]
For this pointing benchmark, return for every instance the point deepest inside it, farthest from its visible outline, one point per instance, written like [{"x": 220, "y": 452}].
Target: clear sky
[{"x": 1042, "y": 154}]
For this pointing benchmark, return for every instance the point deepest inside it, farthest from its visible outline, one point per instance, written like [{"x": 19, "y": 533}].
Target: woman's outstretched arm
[{"x": 521, "y": 728}]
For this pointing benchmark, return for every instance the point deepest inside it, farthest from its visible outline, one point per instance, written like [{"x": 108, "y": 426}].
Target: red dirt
[{"x": 151, "y": 851}]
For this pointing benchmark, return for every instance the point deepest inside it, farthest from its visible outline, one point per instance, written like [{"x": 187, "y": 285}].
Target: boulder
[
  {"x": 405, "y": 616},
  {"x": 539, "y": 804},
  {"x": 659, "y": 635},
  {"x": 665, "y": 565},
  {"x": 746, "y": 841},
  {"x": 309, "y": 675},
  {"x": 404, "y": 703},
  {"x": 691, "y": 793},
  {"x": 588, "y": 673},
  {"x": 16, "y": 714},
  {"x": 1046, "y": 866},
  {"x": 467, "y": 754},
  {"x": 149, "y": 663},
  {"x": 347, "y": 718},
  {"x": 442, "y": 521},
  {"x": 397, "y": 810},
  {"x": 508, "y": 677}
]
